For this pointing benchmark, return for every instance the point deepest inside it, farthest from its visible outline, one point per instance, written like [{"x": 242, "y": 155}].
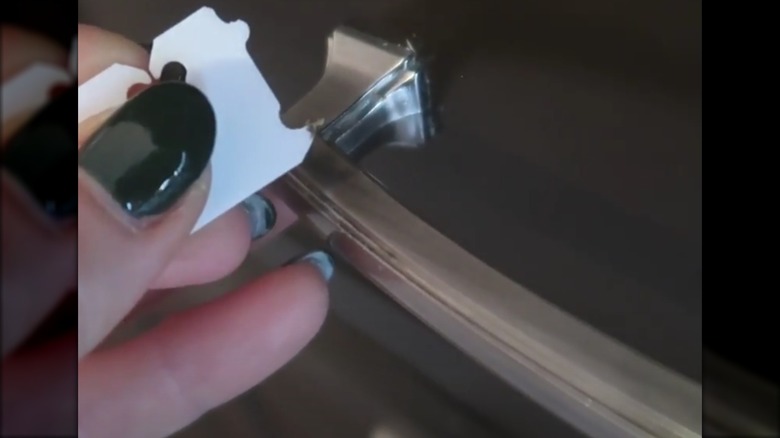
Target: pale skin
[{"x": 165, "y": 379}]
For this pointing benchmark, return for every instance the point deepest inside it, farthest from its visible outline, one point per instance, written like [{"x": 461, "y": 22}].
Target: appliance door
[{"x": 552, "y": 230}]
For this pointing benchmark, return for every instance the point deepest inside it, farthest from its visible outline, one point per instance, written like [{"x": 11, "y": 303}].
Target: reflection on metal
[
  {"x": 592, "y": 381},
  {"x": 387, "y": 105}
]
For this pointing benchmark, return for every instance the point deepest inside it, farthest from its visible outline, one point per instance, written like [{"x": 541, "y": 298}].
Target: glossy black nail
[
  {"x": 42, "y": 156},
  {"x": 151, "y": 151},
  {"x": 261, "y": 213}
]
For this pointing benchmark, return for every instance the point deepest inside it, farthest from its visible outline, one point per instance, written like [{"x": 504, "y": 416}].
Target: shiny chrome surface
[
  {"x": 392, "y": 110},
  {"x": 393, "y": 113}
]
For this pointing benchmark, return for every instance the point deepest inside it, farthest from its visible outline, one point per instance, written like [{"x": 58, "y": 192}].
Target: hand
[
  {"x": 134, "y": 236},
  {"x": 38, "y": 257}
]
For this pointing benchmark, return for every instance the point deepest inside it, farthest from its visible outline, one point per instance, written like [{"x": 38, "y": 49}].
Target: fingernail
[
  {"x": 320, "y": 260},
  {"x": 262, "y": 215},
  {"x": 152, "y": 150},
  {"x": 42, "y": 155}
]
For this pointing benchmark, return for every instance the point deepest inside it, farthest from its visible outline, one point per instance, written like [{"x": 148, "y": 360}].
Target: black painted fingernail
[
  {"x": 320, "y": 260},
  {"x": 262, "y": 215},
  {"x": 151, "y": 151},
  {"x": 42, "y": 156}
]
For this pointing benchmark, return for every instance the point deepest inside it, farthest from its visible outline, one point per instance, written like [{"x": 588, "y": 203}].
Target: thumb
[{"x": 143, "y": 181}]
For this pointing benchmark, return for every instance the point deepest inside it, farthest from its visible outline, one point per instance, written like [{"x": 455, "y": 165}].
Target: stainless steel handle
[
  {"x": 591, "y": 380},
  {"x": 594, "y": 382}
]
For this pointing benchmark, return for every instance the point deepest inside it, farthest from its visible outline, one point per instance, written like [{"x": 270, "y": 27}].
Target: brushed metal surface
[{"x": 586, "y": 377}]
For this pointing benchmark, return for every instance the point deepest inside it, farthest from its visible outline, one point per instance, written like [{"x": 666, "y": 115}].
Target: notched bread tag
[
  {"x": 108, "y": 89},
  {"x": 31, "y": 89},
  {"x": 253, "y": 148}
]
